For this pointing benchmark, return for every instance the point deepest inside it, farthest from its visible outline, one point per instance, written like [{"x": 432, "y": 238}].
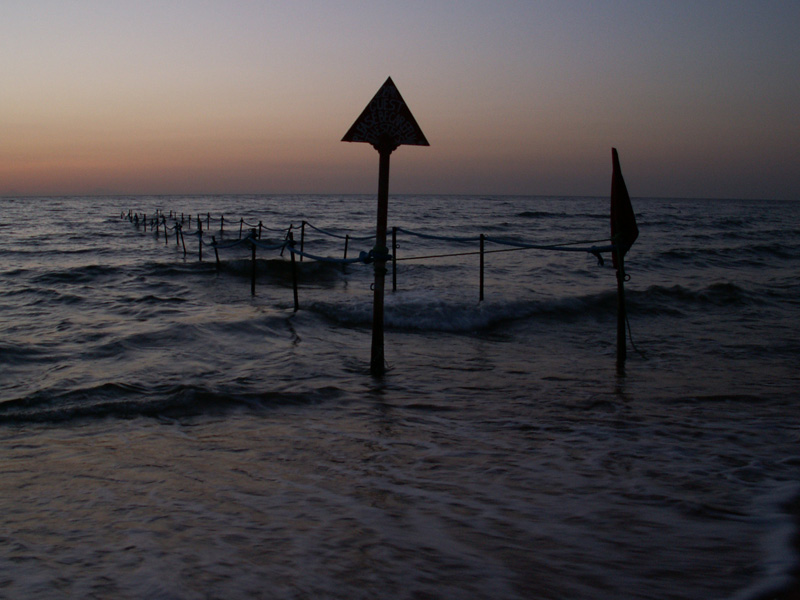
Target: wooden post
[
  {"x": 294, "y": 273},
  {"x": 241, "y": 224},
  {"x": 216, "y": 250},
  {"x": 346, "y": 243},
  {"x": 183, "y": 241},
  {"x": 483, "y": 240},
  {"x": 144, "y": 218},
  {"x": 260, "y": 227},
  {"x": 221, "y": 224},
  {"x": 253, "y": 268},
  {"x": 394, "y": 259},
  {"x": 200, "y": 241},
  {"x": 208, "y": 221},
  {"x": 302, "y": 238},
  {"x": 621, "y": 315}
]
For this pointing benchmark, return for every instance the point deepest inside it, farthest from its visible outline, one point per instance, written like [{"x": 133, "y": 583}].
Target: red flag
[{"x": 623, "y": 222}]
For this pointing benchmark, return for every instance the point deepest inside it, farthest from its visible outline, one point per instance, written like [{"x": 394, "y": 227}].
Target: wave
[
  {"x": 675, "y": 297},
  {"x": 543, "y": 214},
  {"x": 426, "y": 311},
  {"x": 127, "y": 401}
]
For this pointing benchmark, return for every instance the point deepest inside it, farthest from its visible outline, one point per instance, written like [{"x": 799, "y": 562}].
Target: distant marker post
[
  {"x": 624, "y": 232},
  {"x": 385, "y": 123}
]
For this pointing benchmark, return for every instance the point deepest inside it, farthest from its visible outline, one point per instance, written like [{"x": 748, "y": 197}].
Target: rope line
[
  {"x": 365, "y": 257},
  {"x": 438, "y": 237},
  {"x": 341, "y": 237}
]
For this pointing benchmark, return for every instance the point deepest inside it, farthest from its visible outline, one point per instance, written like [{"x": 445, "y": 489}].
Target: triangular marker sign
[{"x": 386, "y": 122}]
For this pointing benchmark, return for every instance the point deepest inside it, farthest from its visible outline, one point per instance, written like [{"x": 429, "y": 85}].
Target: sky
[{"x": 701, "y": 98}]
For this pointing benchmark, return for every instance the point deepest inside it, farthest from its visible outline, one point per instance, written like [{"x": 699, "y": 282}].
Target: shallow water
[{"x": 167, "y": 434}]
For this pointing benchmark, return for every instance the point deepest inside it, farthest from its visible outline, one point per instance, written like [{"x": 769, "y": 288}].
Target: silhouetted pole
[
  {"x": 253, "y": 267},
  {"x": 216, "y": 250},
  {"x": 294, "y": 272},
  {"x": 377, "y": 361},
  {"x": 624, "y": 232},
  {"x": 483, "y": 243},
  {"x": 385, "y": 123},
  {"x": 622, "y": 351}
]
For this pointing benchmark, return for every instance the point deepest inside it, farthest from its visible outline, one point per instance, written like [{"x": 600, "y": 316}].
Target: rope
[
  {"x": 280, "y": 246},
  {"x": 558, "y": 247},
  {"x": 438, "y": 237},
  {"x": 363, "y": 257},
  {"x": 341, "y": 237}
]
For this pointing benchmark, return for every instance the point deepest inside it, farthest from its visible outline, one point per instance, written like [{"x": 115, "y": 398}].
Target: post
[
  {"x": 483, "y": 240},
  {"x": 241, "y": 224},
  {"x": 144, "y": 218},
  {"x": 253, "y": 268},
  {"x": 346, "y": 243},
  {"x": 621, "y": 318},
  {"x": 394, "y": 259},
  {"x": 216, "y": 250},
  {"x": 200, "y": 241},
  {"x": 260, "y": 227},
  {"x": 221, "y": 224},
  {"x": 294, "y": 271},
  {"x": 166, "y": 233},
  {"x": 377, "y": 361},
  {"x": 208, "y": 220},
  {"x": 302, "y": 238},
  {"x": 183, "y": 241}
]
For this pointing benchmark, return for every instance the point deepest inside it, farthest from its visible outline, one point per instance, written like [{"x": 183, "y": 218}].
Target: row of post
[{"x": 160, "y": 219}]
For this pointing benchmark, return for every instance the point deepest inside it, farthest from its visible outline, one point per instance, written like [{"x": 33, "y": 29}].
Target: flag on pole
[{"x": 623, "y": 222}]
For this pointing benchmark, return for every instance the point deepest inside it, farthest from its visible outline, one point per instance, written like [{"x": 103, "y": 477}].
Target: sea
[{"x": 173, "y": 426}]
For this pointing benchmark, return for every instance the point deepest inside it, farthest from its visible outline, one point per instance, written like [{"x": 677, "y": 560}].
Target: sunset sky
[{"x": 701, "y": 97}]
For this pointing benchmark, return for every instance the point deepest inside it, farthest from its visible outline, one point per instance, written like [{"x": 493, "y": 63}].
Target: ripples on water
[{"x": 167, "y": 435}]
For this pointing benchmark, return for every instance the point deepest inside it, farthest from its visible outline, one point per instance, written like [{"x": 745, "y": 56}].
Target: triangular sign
[{"x": 386, "y": 122}]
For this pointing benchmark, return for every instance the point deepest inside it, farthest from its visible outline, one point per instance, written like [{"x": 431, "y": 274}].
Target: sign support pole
[{"x": 380, "y": 253}]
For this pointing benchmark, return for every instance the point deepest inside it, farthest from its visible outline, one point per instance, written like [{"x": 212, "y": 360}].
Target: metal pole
[{"x": 377, "y": 361}]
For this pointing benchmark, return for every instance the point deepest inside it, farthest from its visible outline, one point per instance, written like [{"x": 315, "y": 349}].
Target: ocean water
[{"x": 165, "y": 433}]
